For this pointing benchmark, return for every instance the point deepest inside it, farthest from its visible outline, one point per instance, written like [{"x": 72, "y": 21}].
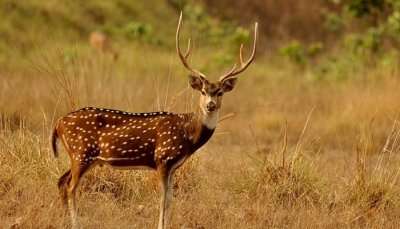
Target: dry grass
[{"x": 334, "y": 165}]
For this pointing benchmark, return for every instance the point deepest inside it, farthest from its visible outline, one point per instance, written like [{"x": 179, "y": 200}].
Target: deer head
[
  {"x": 212, "y": 92},
  {"x": 102, "y": 43}
]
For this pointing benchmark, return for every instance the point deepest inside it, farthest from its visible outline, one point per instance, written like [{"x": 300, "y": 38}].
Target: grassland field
[{"x": 296, "y": 152}]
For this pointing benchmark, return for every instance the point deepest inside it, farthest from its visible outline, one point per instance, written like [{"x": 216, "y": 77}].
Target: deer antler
[
  {"x": 243, "y": 65},
  {"x": 185, "y": 56}
]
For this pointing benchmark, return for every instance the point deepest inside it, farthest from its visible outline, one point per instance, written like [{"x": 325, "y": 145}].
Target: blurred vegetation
[{"x": 330, "y": 39}]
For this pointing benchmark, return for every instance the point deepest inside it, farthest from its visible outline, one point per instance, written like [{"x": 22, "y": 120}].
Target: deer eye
[
  {"x": 203, "y": 93},
  {"x": 220, "y": 93}
]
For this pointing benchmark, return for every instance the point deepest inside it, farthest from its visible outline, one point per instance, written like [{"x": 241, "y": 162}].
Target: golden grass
[{"x": 335, "y": 165}]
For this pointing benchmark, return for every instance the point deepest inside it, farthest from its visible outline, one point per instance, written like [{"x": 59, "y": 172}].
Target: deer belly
[
  {"x": 127, "y": 158},
  {"x": 126, "y": 163}
]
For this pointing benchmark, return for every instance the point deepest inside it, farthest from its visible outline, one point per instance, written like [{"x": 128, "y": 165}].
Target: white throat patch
[{"x": 210, "y": 120}]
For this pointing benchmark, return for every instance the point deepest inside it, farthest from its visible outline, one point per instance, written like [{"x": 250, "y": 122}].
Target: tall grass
[{"x": 254, "y": 173}]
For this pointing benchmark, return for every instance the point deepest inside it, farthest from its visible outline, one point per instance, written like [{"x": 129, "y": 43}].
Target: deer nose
[{"x": 211, "y": 106}]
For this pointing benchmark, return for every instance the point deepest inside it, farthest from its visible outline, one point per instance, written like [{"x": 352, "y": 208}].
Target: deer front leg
[{"x": 166, "y": 194}]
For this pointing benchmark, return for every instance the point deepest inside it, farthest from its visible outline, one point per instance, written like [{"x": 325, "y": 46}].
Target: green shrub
[
  {"x": 295, "y": 52},
  {"x": 360, "y": 8},
  {"x": 333, "y": 22},
  {"x": 299, "y": 53},
  {"x": 368, "y": 42},
  {"x": 137, "y": 30}
]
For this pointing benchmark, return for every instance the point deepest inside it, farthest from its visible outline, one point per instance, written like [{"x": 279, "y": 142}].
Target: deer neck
[
  {"x": 210, "y": 120},
  {"x": 202, "y": 128}
]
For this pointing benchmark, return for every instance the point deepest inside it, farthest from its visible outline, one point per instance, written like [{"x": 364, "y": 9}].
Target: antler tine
[
  {"x": 189, "y": 48},
  {"x": 241, "y": 54},
  {"x": 243, "y": 65},
  {"x": 184, "y": 57},
  {"x": 229, "y": 72}
]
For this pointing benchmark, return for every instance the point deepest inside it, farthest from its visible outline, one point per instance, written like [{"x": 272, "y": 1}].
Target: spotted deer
[
  {"x": 102, "y": 43},
  {"x": 160, "y": 141}
]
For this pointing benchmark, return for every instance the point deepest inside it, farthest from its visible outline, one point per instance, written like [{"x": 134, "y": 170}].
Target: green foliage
[
  {"x": 369, "y": 42},
  {"x": 373, "y": 39},
  {"x": 315, "y": 48},
  {"x": 385, "y": 15},
  {"x": 337, "y": 69},
  {"x": 25, "y": 23},
  {"x": 213, "y": 30},
  {"x": 138, "y": 30},
  {"x": 178, "y": 4},
  {"x": 369, "y": 34},
  {"x": 357, "y": 30},
  {"x": 223, "y": 59},
  {"x": 299, "y": 53},
  {"x": 227, "y": 36},
  {"x": 295, "y": 52},
  {"x": 393, "y": 23},
  {"x": 240, "y": 36},
  {"x": 333, "y": 22},
  {"x": 360, "y": 8},
  {"x": 203, "y": 25}
]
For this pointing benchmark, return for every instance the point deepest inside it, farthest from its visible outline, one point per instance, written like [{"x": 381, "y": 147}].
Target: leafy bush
[
  {"x": 138, "y": 30},
  {"x": 295, "y": 52},
  {"x": 299, "y": 53},
  {"x": 370, "y": 41},
  {"x": 240, "y": 36},
  {"x": 333, "y": 21},
  {"x": 360, "y": 8}
]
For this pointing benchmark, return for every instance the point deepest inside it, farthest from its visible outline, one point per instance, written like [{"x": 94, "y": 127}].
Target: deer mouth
[
  {"x": 210, "y": 110},
  {"x": 211, "y": 107}
]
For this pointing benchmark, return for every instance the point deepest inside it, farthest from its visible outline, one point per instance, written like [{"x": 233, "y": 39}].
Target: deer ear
[
  {"x": 196, "y": 82},
  {"x": 228, "y": 84}
]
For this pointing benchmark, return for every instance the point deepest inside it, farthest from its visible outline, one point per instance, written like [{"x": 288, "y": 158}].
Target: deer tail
[{"x": 54, "y": 137}]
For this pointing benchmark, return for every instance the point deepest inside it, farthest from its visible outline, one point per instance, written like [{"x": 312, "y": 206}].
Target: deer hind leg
[
  {"x": 62, "y": 187},
  {"x": 76, "y": 173},
  {"x": 166, "y": 194}
]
